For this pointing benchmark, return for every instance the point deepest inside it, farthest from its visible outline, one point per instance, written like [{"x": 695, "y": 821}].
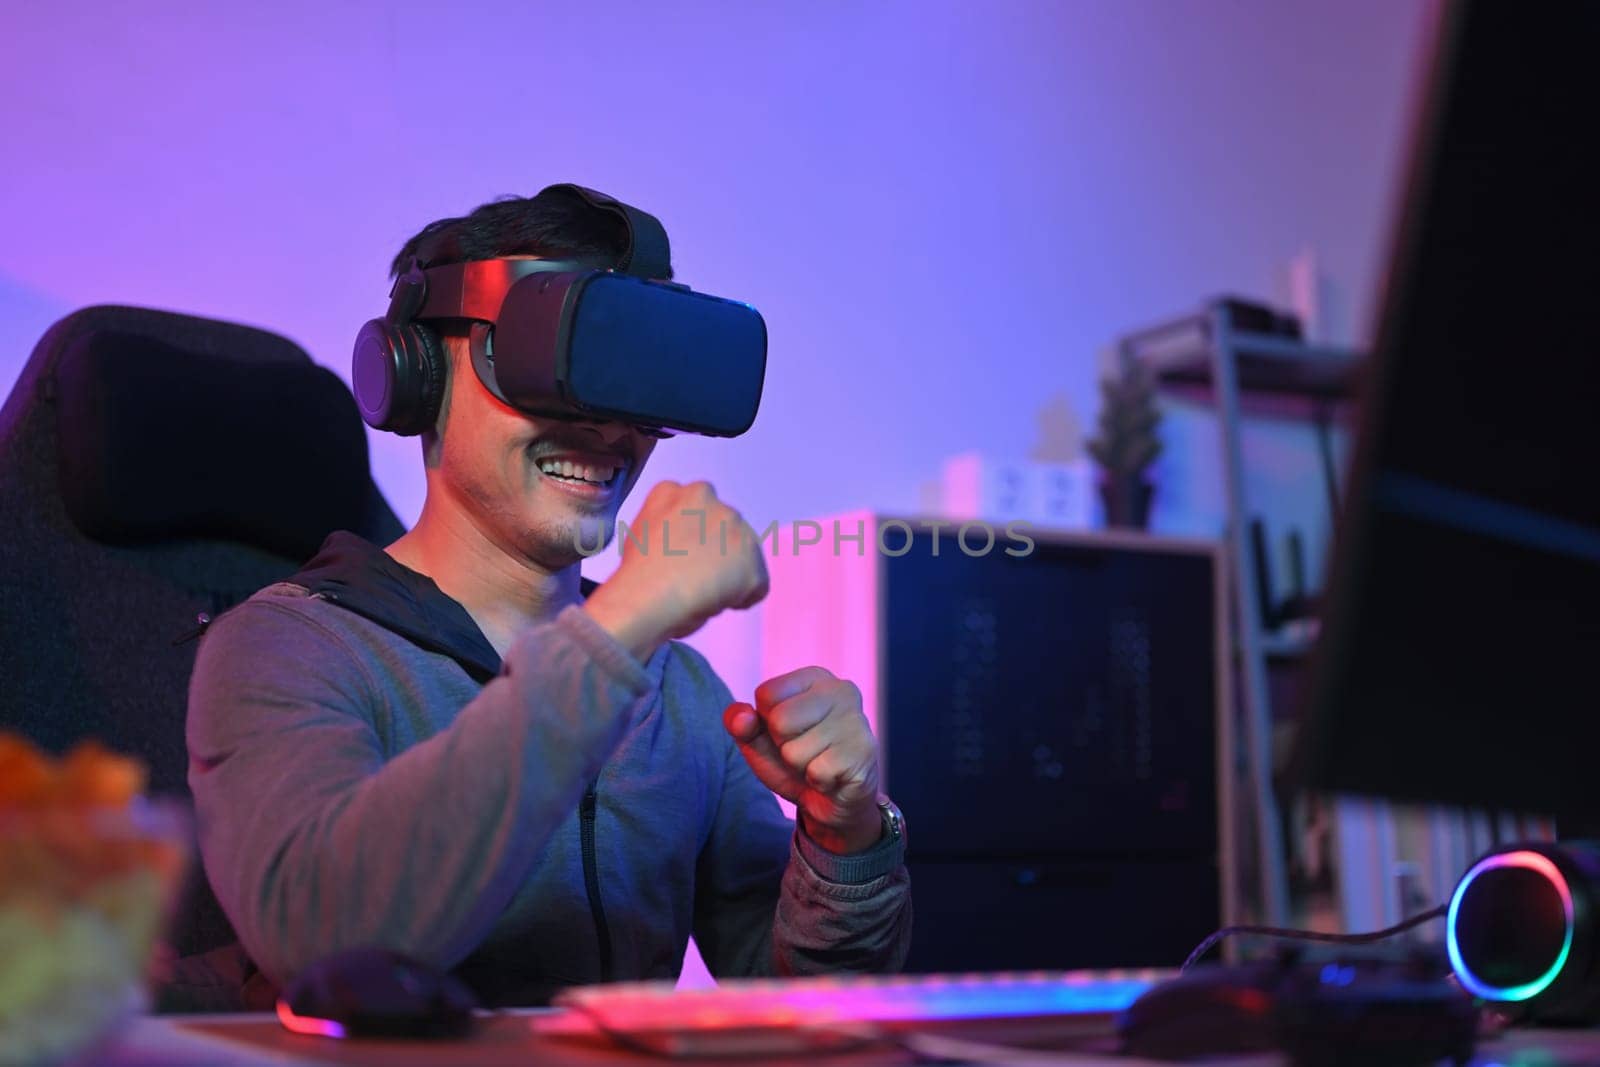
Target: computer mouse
[
  {"x": 1375, "y": 1013},
  {"x": 1207, "y": 1011},
  {"x": 375, "y": 992}
]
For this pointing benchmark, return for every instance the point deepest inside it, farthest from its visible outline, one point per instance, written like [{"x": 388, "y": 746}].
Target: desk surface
[{"x": 258, "y": 1041}]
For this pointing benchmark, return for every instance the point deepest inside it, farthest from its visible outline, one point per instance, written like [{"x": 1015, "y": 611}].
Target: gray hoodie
[{"x": 366, "y": 771}]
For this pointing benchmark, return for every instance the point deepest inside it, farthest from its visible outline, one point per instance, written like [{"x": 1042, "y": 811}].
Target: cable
[{"x": 1312, "y": 935}]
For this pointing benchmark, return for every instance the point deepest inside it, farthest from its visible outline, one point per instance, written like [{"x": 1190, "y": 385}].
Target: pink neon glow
[
  {"x": 1534, "y": 861},
  {"x": 306, "y": 1024},
  {"x": 813, "y": 586}
]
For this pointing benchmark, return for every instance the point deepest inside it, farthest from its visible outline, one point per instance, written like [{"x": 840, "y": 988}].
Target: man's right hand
[{"x": 715, "y": 564}]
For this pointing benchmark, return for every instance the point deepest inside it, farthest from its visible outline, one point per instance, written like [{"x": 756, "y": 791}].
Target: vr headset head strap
[
  {"x": 471, "y": 290},
  {"x": 475, "y": 290},
  {"x": 648, "y": 253}
]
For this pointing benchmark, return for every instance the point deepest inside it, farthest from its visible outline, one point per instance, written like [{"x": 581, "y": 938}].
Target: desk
[
  {"x": 506, "y": 1039},
  {"x": 503, "y": 1040}
]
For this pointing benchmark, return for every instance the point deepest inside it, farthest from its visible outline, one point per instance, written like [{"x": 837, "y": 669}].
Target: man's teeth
[{"x": 579, "y": 472}]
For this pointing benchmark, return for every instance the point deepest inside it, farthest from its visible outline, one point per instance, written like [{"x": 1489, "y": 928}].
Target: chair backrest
[{"x": 155, "y": 467}]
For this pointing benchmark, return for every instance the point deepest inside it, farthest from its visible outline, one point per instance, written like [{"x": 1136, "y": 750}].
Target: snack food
[{"x": 87, "y": 868}]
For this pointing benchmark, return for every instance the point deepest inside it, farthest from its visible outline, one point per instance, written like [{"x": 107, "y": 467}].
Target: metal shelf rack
[{"x": 1209, "y": 353}]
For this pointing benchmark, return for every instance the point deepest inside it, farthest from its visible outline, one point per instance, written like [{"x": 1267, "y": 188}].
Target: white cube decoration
[
  {"x": 1055, "y": 495},
  {"x": 1064, "y": 494}
]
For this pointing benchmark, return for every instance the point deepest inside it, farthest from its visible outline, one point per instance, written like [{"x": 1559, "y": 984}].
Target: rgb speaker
[{"x": 1521, "y": 930}]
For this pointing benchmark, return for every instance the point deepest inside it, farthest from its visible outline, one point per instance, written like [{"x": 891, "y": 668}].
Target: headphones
[{"x": 398, "y": 366}]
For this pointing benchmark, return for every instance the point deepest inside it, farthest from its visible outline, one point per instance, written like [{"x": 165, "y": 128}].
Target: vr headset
[{"x": 569, "y": 339}]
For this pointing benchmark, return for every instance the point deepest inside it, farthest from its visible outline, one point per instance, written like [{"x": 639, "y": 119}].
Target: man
[{"x": 454, "y": 748}]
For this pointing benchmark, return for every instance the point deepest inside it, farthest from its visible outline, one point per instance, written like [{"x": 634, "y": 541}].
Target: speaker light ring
[{"x": 1527, "y": 860}]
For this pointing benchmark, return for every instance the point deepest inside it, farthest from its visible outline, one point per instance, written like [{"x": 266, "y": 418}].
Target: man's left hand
[{"x": 807, "y": 740}]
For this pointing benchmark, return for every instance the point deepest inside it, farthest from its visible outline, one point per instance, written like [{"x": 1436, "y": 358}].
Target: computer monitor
[{"x": 1459, "y": 657}]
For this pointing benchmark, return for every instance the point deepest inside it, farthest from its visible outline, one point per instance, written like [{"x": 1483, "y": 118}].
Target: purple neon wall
[{"x": 944, "y": 209}]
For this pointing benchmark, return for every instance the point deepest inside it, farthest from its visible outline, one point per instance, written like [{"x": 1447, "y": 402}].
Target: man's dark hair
[{"x": 553, "y": 224}]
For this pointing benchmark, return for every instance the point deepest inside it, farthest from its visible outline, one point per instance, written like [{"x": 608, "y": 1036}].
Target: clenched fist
[
  {"x": 687, "y": 557},
  {"x": 807, "y": 740}
]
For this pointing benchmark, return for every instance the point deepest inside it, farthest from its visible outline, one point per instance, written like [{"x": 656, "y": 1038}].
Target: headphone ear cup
[
  {"x": 398, "y": 372},
  {"x": 430, "y": 383}
]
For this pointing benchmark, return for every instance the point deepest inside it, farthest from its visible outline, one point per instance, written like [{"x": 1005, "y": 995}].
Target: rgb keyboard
[{"x": 750, "y": 1016}]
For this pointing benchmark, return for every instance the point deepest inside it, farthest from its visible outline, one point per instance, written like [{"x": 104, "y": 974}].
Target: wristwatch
[{"x": 894, "y": 823}]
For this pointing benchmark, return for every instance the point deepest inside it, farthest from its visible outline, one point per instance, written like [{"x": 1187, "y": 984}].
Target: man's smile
[{"x": 591, "y": 476}]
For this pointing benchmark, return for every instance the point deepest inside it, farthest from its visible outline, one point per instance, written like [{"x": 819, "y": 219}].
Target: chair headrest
[{"x": 159, "y": 442}]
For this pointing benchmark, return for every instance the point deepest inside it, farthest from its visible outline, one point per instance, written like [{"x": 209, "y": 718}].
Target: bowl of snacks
[{"x": 89, "y": 868}]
